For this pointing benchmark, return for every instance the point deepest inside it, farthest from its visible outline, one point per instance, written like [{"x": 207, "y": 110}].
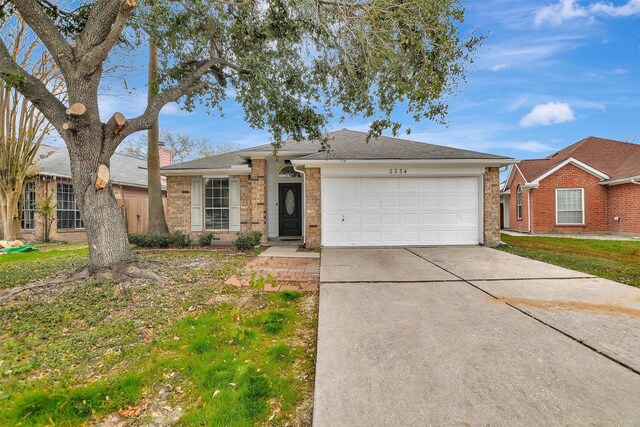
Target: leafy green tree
[{"x": 290, "y": 64}]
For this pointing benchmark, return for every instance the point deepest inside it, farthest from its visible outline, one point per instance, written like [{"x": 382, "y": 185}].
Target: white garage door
[{"x": 400, "y": 211}]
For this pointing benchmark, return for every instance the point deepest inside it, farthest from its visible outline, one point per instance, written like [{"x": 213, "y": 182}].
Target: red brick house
[
  {"x": 382, "y": 192},
  {"x": 592, "y": 186},
  {"x": 129, "y": 182}
]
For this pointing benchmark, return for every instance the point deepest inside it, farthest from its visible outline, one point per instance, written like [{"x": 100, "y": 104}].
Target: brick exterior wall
[
  {"x": 259, "y": 197},
  {"x": 601, "y": 204},
  {"x": 491, "y": 204},
  {"x": 544, "y": 202},
  {"x": 521, "y": 224},
  {"x": 624, "y": 201},
  {"x": 179, "y": 203},
  {"x": 179, "y": 207},
  {"x": 313, "y": 231}
]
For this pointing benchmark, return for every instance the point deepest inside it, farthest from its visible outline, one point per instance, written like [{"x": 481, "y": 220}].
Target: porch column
[
  {"x": 491, "y": 195},
  {"x": 312, "y": 208},
  {"x": 258, "y": 197}
]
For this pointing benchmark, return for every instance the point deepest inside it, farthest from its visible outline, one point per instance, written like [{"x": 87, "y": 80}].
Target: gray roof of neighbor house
[
  {"x": 345, "y": 145},
  {"x": 125, "y": 170}
]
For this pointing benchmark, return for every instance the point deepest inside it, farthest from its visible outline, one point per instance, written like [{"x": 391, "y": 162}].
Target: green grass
[
  {"x": 617, "y": 260},
  {"x": 227, "y": 357},
  {"x": 18, "y": 269}
]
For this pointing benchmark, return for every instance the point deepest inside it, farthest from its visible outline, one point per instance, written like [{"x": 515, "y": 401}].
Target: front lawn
[
  {"x": 617, "y": 260},
  {"x": 190, "y": 351}
]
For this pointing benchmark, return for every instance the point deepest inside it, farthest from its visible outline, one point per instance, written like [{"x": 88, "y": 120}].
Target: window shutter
[
  {"x": 196, "y": 204},
  {"x": 234, "y": 204}
]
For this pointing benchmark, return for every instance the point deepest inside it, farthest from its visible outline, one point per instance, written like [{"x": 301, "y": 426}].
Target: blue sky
[{"x": 549, "y": 74}]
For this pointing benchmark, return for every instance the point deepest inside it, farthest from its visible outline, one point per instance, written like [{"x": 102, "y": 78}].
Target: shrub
[
  {"x": 247, "y": 241},
  {"x": 205, "y": 239},
  {"x": 180, "y": 240},
  {"x": 176, "y": 240}
]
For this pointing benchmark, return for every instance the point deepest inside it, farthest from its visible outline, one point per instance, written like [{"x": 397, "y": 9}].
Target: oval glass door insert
[{"x": 290, "y": 202}]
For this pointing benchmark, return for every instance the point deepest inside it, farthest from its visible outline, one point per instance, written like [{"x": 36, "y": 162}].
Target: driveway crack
[{"x": 530, "y": 315}]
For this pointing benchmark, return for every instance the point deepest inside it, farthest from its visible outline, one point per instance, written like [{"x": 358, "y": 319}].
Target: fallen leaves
[{"x": 133, "y": 411}]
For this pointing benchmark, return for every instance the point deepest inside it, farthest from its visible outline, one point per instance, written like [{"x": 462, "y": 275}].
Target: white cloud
[
  {"x": 173, "y": 109},
  {"x": 547, "y": 114},
  {"x": 533, "y": 146},
  {"x": 565, "y": 10}
]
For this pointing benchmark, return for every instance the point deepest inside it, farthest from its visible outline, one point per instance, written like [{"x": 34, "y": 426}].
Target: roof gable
[{"x": 622, "y": 159}]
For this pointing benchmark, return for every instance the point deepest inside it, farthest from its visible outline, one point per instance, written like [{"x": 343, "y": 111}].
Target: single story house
[
  {"x": 591, "y": 186},
  {"x": 387, "y": 192},
  {"x": 53, "y": 174}
]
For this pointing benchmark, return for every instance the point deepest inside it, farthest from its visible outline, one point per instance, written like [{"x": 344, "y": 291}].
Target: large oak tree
[{"x": 290, "y": 64}]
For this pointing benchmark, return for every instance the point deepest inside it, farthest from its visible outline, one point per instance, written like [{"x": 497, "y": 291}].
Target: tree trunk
[
  {"x": 9, "y": 210},
  {"x": 103, "y": 219},
  {"x": 157, "y": 221}
]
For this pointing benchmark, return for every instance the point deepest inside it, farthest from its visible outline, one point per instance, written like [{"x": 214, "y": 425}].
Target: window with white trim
[
  {"x": 28, "y": 217},
  {"x": 216, "y": 203},
  {"x": 570, "y": 206},
  {"x": 519, "y": 201},
  {"x": 67, "y": 213}
]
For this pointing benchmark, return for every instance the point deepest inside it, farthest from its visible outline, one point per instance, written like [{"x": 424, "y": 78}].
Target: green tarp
[{"x": 19, "y": 249}]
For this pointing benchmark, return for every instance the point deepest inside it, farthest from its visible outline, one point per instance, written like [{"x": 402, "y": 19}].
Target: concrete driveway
[{"x": 472, "y": 336}]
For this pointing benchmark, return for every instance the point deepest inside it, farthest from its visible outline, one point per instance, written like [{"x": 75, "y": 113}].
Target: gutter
[
  {"x": 628, "y": 180},
  {"x": 304, "y": 203},
  {"x": 483, "y": 162},
  {"x": 209, "y": 172}
]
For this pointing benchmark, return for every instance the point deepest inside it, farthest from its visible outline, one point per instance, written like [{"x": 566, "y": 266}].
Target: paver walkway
[{"x": 296, "y": 274}]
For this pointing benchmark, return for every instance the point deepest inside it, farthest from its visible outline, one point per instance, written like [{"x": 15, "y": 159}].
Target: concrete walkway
[{"x": 470, "y": 335}]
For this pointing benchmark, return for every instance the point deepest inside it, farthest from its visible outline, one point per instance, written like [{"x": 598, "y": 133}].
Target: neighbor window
[
  {"x": 67, "y": 214},
  {"x": 29, "y": 206},
  {"x": 216, "y": 203},
  {"x": 570, "y": 206},
  {"x": 519, "y": 201}
]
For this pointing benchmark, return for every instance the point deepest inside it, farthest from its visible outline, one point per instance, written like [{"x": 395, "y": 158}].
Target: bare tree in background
[
  {"x": 22, "y": 126},
  {"x": 183, "y": 146}
]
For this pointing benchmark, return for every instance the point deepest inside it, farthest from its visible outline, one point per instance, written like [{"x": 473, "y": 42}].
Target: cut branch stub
[
  {"x": 102, "y": 177},
  {"x": 120, "y": 122},
  {"x": 68, "y": 126},
  {"x": 131, "y": 3},
  {"x": 78, "y": 109}
]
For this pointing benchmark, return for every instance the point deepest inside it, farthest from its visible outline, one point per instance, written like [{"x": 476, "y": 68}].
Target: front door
[{"x": 290, "y": 209}]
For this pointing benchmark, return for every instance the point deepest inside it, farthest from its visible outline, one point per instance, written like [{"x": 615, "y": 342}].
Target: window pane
[{"x": 569, "y": 206}]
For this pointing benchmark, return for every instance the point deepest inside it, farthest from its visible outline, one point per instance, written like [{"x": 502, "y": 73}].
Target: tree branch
[
  {"x": 46, "y": 30},
  {"x": 105, "y": 24},
  {"x": 32, "y": 89}
]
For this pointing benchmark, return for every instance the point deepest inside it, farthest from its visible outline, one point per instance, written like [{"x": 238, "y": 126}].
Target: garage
[{"x": 401, "y": 211}]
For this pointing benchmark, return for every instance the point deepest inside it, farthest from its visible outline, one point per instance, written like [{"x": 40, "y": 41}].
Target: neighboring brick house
[
  {"x": 385, "y": 192},
  {"x": 591, "y": 186},
  {"x": 129, "y": 181}
]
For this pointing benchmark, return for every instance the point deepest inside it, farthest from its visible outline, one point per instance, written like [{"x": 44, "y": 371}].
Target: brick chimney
[{"x": 166, "y": 159}]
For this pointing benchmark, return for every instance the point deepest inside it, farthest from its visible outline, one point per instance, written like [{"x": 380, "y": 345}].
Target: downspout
[
  {"x": 304, "y": 203},
  {"x": 529, "y": 209}
]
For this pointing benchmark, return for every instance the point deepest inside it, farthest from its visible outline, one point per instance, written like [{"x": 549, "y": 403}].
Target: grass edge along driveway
[{"x": 617, "y": 260}]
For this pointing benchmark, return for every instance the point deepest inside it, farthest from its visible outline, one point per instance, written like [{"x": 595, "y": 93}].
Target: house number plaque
[{"x": 397, "y": 171}]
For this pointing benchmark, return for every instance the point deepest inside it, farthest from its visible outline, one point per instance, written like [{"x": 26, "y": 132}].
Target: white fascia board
[
  {"x": 208, "y": 172},
  {"x": 479, "y": 162},
  {"x": 512, "y": 174},
  {"x": 627, "y": 180},
  {"x": 585, "y": 167},
  {"x": 280, "y": 153}
]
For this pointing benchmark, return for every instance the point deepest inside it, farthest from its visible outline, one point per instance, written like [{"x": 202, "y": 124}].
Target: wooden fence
[{"x": 135, "y": 211}]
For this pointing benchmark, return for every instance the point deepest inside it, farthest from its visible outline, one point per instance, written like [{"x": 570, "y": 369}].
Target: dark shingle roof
[
  {"x": 352, "y": 145},
  {"x": 615, "y": 158},
  {"x": 345, "y": 145},
  {"x": 221, "y": 161},
  {"x": 125, "y": 170}
]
